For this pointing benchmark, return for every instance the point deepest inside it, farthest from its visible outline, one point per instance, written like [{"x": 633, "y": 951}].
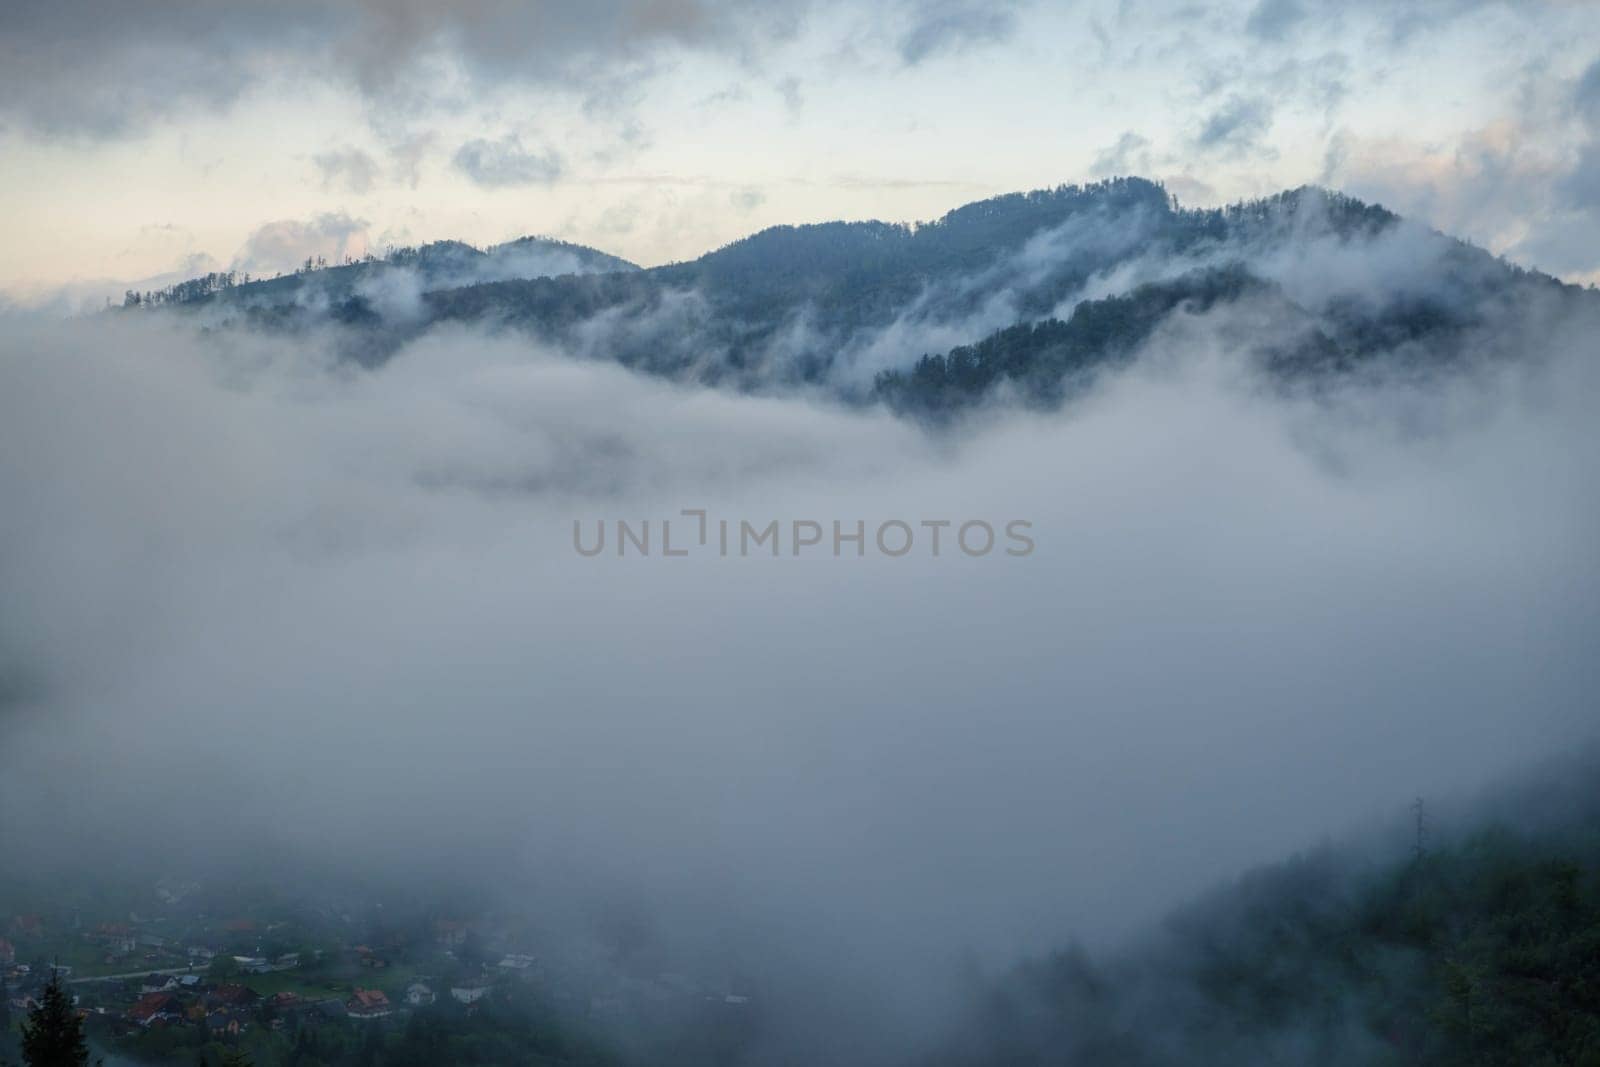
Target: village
[{"x": 151, "y": 983}]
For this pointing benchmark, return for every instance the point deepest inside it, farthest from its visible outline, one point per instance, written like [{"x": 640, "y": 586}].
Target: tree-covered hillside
[
  {"x": 1024, "y": 292},
  {"x": 1471, "y": 944},
  {"x": 322, "y": 286}
]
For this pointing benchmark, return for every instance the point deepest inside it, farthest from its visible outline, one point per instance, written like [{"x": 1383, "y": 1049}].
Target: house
[
  {"x": 518, "y": 963},
  {"x": 158, "y": 983},
  {"x": 470, "y": 993},
  {"x": 8, "y": 953},
  {"x": 253, "y": 964},
  {"x": 232, "y": 995},
  {"x": 155, "y": 1008},
  {"x": 368, "y": 1004},
  {"x": 224, "y": 1022},
  {"x": 419, "y": 995}
]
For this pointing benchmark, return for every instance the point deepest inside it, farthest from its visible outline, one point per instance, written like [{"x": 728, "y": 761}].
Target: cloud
[
  {"x": 1273, "y": 20},
  {"x": 505, "y": 161},
  {"x": 350, "y": 168},
  {"x": 1497, "y": 186},
  {"x": 408, "y": 154},
  {"x": 240, "y": 570},
  {"x": 1581, "y": 188},
  {"x": 284, "y": 245},
  {"x": 1586, "y": 97},
  {"x": 942, "y": 27},
  {"x": 241, "y": 567},
  {"x": 1130, "y": 155},
  {"x": 1235, "y": 128},
  {"x": 790, "y": 92},
  {"x": 112, "y": 67},
  {"x": 91, "y": 295}
]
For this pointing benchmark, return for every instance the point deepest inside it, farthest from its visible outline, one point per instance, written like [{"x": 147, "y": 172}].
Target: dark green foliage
[
  {"x": 52, "y": 1036},
  {"x": 442, "y": 263},
  {"x": 1042, "y": 358},
  {"x": 1482, "y": 952},
  {"x": 725, "y": 316},
  {"x": 828, "y": 303}
]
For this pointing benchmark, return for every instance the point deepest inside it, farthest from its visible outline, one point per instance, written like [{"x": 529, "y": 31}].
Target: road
[{"x": 199, "y": 968}]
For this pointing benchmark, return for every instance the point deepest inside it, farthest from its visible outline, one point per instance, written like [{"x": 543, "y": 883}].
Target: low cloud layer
[{"x": 337, "y": 616}]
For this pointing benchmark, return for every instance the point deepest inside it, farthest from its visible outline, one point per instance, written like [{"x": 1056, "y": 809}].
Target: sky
[
  {"x": 324, "y": 617},
  {"x": 150, "y": 141}
]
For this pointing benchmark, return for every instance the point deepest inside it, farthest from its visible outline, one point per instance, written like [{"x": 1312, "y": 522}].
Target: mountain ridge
[{"x": 881, "y": 312}]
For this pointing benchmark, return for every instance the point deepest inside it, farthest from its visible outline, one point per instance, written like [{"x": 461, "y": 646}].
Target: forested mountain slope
[
  {"x": 1017, "y": 296},
  {"x": 1475, "y": 943}
]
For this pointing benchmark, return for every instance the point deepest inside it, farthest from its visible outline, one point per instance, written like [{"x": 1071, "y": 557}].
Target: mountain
[
  {"x": 325, "y": 289},
  {"x": 1468, "y": 939},
  {"x": 1021, "y": 295}
]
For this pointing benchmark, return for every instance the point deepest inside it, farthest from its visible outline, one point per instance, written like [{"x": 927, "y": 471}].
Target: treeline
[
  {"x": 215, "y": 282},
  {"x": 791, "y": 305},
  {"x": 437, "y": 258},
  {"x": 1040, "y": 360},
  {"x": 1480, "y": 952},
  {"x": 193, "y": 289}
]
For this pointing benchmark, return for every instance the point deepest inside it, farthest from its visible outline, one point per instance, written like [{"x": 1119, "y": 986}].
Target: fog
[{"x": 258, "y": 603}]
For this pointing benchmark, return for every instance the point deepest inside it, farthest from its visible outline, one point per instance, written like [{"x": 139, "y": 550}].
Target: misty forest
[{"x": 719, "y": 535}]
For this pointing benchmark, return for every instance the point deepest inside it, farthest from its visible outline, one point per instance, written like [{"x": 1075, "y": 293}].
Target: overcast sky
[
  {"x": 283, "y": 603},
  {"x": 142, "y": 138}
]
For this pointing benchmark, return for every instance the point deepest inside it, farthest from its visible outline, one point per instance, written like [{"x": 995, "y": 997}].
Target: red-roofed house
[
  {"x": 232, "y": 995},
  {"x": 156, "y": 1007},
  {"x": 368, "y": 1004}
]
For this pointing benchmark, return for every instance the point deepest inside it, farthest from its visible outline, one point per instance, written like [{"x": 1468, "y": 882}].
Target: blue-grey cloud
[
  {"x": 507, "y": 161},
  {"x": 946, "y": 26},
  {"x": 105, "y": 68},
  {"x": 1587, "y": 95},
  {"x": 1130, "y": 155},
  {"x": 1273, "y": 20},
  {"x": 1236, "y": 127},
  {"x": 348, "y": 168}
]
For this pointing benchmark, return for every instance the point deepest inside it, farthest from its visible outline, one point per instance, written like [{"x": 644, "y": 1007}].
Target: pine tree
[{"x": 53, "y": 1034}]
